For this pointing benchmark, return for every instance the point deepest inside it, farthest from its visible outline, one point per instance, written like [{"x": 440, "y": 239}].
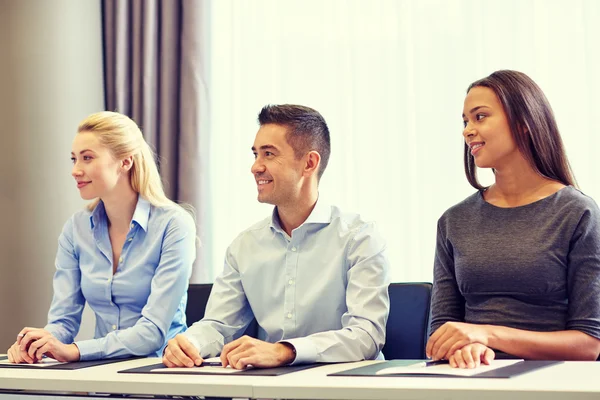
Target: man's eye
[
  {"x": 255, "y": 155},
  {"x": 268, "y": 153}
]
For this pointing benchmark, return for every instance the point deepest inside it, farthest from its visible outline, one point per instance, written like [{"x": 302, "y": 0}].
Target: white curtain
[{"x": 390, "y": 78}]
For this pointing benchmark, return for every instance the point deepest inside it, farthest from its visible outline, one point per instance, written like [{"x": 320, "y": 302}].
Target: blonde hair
[{"x": 123, "y": 138}]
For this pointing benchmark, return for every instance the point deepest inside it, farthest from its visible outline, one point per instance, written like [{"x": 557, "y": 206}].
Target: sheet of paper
[
  {"x": 199, "y": 370},
  {"x": 446, "y": 369},
  {"x": 45, "y": 362}
]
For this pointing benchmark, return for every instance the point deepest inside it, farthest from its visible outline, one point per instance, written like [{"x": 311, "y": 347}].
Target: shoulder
[
  {"x": 255, "y": 232},
  {"x": 355, "y": 229},
  {"x": 172, "y": 217},
  {"x": 78, "y": 221},
  {"x": 460, "y": 209},
  {"x": 572, "y": 198}
]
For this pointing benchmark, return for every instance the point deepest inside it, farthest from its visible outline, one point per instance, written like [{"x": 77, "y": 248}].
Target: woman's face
[
  {"x": 486, "y": 129},
  {"x": 95, "y": 169}
]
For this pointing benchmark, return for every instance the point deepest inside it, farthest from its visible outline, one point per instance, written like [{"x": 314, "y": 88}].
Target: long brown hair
[{"x": 532, "y": 125}]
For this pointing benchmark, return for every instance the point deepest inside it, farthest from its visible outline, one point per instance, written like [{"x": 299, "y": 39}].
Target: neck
[
  {"x": 519, "y": 182},
  {"x": 293, "y": 215},
  {"x": 120, "y": 208}
]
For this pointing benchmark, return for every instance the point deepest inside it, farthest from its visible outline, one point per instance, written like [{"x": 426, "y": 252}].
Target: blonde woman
[{"x": 129, "y": 255}]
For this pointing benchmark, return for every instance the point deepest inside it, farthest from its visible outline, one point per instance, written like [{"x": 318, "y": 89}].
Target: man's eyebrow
[
  {"x": 265, "y": 147},
  {"x": 474, "y": 109}
]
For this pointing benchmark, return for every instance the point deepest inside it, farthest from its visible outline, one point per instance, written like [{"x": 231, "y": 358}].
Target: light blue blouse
[{"x": 141, "y": 306}]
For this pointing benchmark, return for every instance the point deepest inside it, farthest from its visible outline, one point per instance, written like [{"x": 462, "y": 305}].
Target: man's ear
[
  {"x": 127, "y": 163},
  {"x": 313, "y": 160}
]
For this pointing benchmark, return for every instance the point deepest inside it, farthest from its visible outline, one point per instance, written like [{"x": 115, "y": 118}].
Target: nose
[
  {"x": 257, "y": 166},
  {"x": 469, "y": 131},
  {"x": 76, "y": 171}
]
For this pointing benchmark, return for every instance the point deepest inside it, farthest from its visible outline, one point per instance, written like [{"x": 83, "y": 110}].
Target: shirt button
[
  {"x": 114, "y": 327},
  {"x": 120, "y": 259},
  {"x": 132, "y": 226},
  {"x": 289, "y": 315},
  {"x": 293, "y": 249},
  {"x": 291, "y": 282},
  {"x": 130, "y": 239}
]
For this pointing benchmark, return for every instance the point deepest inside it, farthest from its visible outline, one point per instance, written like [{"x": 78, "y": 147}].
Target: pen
[
  {"x": 211, "y": 364},
  {"x": 430, "y": 363}
]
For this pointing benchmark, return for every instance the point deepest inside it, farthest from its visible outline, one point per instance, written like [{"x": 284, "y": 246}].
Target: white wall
[{"x": 50, "y": 79}]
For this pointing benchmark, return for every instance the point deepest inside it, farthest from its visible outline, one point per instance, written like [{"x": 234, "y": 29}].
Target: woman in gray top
[{"x": 517, "y": 265}]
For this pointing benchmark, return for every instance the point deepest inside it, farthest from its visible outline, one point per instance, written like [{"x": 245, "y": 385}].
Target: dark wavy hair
[
  {"x": 532, "y": 125},
  {"x": 307, "y": 129}
]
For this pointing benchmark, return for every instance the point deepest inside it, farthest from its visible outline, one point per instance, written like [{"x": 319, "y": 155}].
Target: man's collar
[{"x": 321, "y": 214}]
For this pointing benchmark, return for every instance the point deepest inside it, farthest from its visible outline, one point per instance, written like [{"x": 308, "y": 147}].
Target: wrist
[
  {"x": 490, "y": 335},
  {"x": 74, "y": 352},
  {"x": 288, "y": 353}
]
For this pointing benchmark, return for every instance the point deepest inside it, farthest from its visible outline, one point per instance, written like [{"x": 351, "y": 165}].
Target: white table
[
  {"x": 106, "y": 379},
  {"x": 571, "y": 380}
]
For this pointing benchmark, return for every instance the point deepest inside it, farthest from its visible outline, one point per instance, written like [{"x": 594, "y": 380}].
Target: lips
[
  {"x": 81, "y": 184},
  {"x": 475, "y": 147}
]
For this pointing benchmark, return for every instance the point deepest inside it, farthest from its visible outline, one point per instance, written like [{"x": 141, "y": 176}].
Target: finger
[
  {"x": 228, "y": 348},
  {"x": 166, "y": 362},
  {"x": 21, "y": 355},
  {"x": 11, "y": 359},
  {"x": 452, "y": 361},
  {"x": 24, "y": 332},
  {"x": 190, "y": 350},
  {"x": 235, "y": 359},
  {"x": 179, "y": 357},
  {"x": 488, "y": 356},
  {"x": 467, "y": 353},
  {"x": 172, "y": 360},
  {"x": 34, "y": 346},
  {"x": 457, "y": 344},
  {"x": 458, "y": 357},
  {"x": 437, "y": 352},
  {"x": 29, "y": 337},
  {"x": 433, "y": 339},
  {"x": 46, "y": 348}
]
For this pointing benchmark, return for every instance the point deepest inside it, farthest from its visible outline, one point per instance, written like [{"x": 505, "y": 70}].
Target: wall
[{"x": 50, "y": 79}]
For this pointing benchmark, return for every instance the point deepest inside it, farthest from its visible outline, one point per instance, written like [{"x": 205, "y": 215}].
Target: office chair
[
  {"x": 408, "y": 323},
  {"x": 198, "y": 294}
]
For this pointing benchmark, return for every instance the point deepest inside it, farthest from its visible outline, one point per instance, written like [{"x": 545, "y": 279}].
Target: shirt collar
[
  {"x": 321, "y": 214},
  {"x": 141, "y": 215}
]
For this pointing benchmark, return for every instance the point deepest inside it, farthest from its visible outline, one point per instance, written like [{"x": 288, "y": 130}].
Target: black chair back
[
  {"x": 407, "y": 328},
  {"x": 198, "y": 294}
]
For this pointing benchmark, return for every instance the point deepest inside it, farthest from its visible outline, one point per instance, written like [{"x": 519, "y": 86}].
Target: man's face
[{"x": 277, "y": 172}]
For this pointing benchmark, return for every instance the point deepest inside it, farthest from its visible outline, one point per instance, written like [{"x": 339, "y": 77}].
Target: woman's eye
[
  {"x": 464, "y": 124},
  {"x": 73, "y": 160},
  {"x": 87, "y": 158},
  {"x": 480, "y": 116}
]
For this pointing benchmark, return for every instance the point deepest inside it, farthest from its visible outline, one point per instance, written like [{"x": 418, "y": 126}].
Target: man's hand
[
  {"x": 453, "y": 336},
  {"x": 249, "y": 351},
  {"x": 471, "y": 356},
  {"x": 181, "y": 353}
]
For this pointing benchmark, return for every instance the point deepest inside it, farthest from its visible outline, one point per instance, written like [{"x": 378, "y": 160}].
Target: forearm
[
  {"x": 560, "y": 345},
  {"x": 142, "y": 339}
]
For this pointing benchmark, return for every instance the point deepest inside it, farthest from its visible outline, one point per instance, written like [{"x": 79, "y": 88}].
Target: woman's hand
[
  {"x": 471, "y": 356},
  {"x": 453, "y": 336}
]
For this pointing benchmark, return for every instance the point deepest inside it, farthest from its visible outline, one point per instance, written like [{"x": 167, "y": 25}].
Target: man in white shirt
[{"x": 315, "y": 278}]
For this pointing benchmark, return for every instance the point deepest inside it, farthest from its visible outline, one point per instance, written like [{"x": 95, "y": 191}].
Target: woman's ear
[{"x": 127, "y": 163}]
